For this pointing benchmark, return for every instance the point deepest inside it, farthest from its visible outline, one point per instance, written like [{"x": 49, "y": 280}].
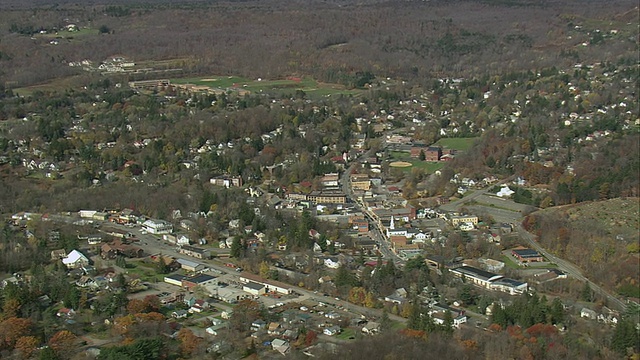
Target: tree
[
  {"x": 586, "y": 294},
  {"x": 188, "y": 341},
  {"x": 625, "y": 336},
  {"x": 310, "y": 338},
  {"x": 385, "y": 321},
  {"x": 10, "y": 308},
  {"x": 136, "y": 306},
  {"x": 556, "y": 311},
  {"x": 161, "y": 266},
  {"x": 152, "y": 303},
  {"x": 26, "y": 345},
  {"x": 63, "y": 343},
  {"x": 48, "y": 354},
  {"x": 265, "y": 271},
  {"x": 12, "y": 329},
  {"x": 447, "y": 326},
  {"x": 141, "y": 349},
  {"x": 104, "y": 29},
  {"x": 236, "y": 248}
]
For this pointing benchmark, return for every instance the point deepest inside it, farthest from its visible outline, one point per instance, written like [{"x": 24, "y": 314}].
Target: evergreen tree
[
  {"x": 586, "y": 294},
  {"x": 625, "y": 336},
  {"x": 556, "y": 312},
  {"x": 236, "y": 248},
  {"x": 447, "y": 326},
  {"x": 385, "y": 321}
]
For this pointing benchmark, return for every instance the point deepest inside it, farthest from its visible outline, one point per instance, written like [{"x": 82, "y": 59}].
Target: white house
[
  {"x": 331, "y": 263},
  {"x": 332, "y": 330},
  {"x": 588, "y": 314},
  {"x": 75, "y": 260},
  {"x": 282, "y": 346},
  {"x": 371, "y": 328},
  {"x": 183, "y": 240}
]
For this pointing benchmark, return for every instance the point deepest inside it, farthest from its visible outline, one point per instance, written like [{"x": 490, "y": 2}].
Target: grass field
[
  {"x": 308, "y": 85},
  {"x": 461, "y": 144},
  {"x": 346, "y": 334},
  {"x": 63, "y": 34},
  {"x": 429, "y": 167}
]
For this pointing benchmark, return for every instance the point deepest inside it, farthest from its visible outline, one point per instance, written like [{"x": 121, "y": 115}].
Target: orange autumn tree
[
  {"x": 12, "y": 329},
  {"x": 26, "y": 346},
  {"x": 63, "y": 343},
  {"x": 189, "y": 342}
]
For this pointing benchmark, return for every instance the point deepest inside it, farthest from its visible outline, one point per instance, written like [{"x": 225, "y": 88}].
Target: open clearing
[
  {"x": 279, "y": 86},
  {"x": 404, "y": 161},
  {"x": 461, "y": 144}
]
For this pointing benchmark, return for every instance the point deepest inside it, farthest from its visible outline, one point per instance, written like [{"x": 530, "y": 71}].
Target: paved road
[
  {"x": 455, "y": 205},
  {"x": 569, "y": 268},
  {"x": 503, "y": 215},
  {"x": 374, "y": 229}
]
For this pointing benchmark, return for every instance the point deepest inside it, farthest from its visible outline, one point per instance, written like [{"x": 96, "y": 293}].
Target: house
[
  {"x": 371, "y": 328},
  {"x": 281, "y": 346},
  {"x": 66, "y": 313},
  {"x": 439, "y": 318},
  {"x": 180, "y": 314},
  {"x": 331, "y": 263},
  {"x": 199, "y": 306},
  {"x": 86, "y": 282},
  {"x": 398, "y": 297},
  {"x": 183, "y": 240},
  {"x": 332, "y": 330},
  {"x": 588, "y": 314},
  {"x": 273, "y": 328},
  {"x": 190, "y": 300},
  {"x": 75, "y": 260},
  {"x": 332, "y": 315},
  {"x": 108, "y": 252},
  {"x": 258, "y": 324}
]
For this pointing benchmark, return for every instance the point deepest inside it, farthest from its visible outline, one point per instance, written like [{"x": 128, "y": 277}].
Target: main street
[{"x": 374, "y": 227}]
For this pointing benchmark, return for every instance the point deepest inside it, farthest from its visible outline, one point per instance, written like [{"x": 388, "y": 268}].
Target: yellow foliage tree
[{"x": 26, "y": 345}]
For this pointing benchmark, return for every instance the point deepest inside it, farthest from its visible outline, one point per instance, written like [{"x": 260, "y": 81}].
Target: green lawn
[
  {"x": 145, "y": 271},
  {"x": 461, "y": 144},
  {"x": 510, "y": 263},
  {"x": 308, "y": 85},
  {"x": 397, "y": 325},
  {"x": 346, "y": 334},
  {"x": 429, "y": 167}
]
